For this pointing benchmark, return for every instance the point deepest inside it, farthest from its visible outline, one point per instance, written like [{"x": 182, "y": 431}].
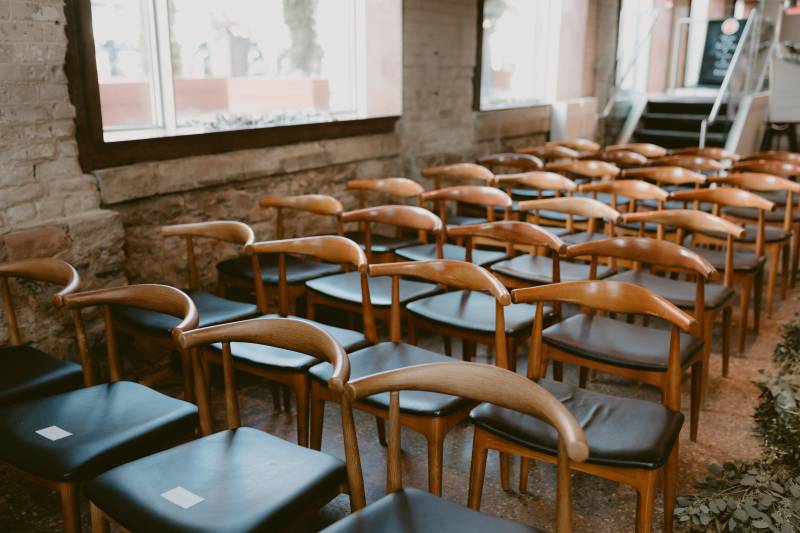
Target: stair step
[
  {"x": 698, "y": 107},
  {"x": 683, "y": 122},
  {"x": 678, "y": 139}
]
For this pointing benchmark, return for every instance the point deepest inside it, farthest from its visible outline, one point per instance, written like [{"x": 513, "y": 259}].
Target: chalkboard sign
[{"x": 722, "y": 38}]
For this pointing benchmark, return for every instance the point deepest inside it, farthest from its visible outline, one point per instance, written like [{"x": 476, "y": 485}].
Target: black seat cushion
[
  {"x": 474, "y": 311},
  {"x": 298, "y": 269},
  {"x": 531, "y": 194},
  {"x": 618, "y": 343},
  {"x": 390, "y": 356},
  {"x": 212, "y": 309},
  {"x": 743, "y": 260},
  {"x": 280, "y": 359},
  {"x": 249, "y": 481},
  {"x": 27, "y": 372},
  {"x": 464, "y": 220},
  {"x": 347, "y": 287},
  {"x": 771, "y": 234},
  {"x": 554, "y": 216},
  {"x": 382, "y": 244},
  {"x": 649, "y": 227},
  {"x": 621, "y": 432},
  {"x": 555, "y": 230},
  {"x": 583, "y": 236},
  {"x": 779, "y": 197},
  {"x": 110, "y": 424},
  {"x": 424, "y": 252},
  {"x": 539, "y": 269},
  {"x": 604, "y": 197},
  {"x": 679, "y": 292},
  {"x": 751, "y": 213},
  {"x": 673, "y": 204},
  {"x": 415, "y": 511}
]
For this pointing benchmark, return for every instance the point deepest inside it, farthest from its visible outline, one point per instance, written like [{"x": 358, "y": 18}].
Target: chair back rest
[
  {"x": 285, "y": 333},
  {"x": 691, "y": 162},
  {"x": 477, "y": 382},
  {"x": 711, "y": 152},
  {"x": 480, "y": 195},
  {"x": 511, "y": 232},
  {"x": 318, "y": 204},
  {"x": 585, "y": 168},
  {"x": 330, "y": 248},
  {"x": 776, "y": 155},
  {"x": 452, "y": 274},
  {"x": 634, "y": 190},
  {"x": 783, "y": 169},
  {"x": 54, "y": 271},
  {"x": 230, "y": 231},
  {"x": 539, "y": 180},
  {"x": 395, "y": 187},
  {"x": 459, "y": 172},
  {"x": 579, "y": 145},
  {"x": 584, "y": 207},
  {"x": 550, "y": 152},
  {"x": 649, "y": 150},
  {"x": 760, "y": 182},
  {"x": 511, "y": 160},
  {"x": 159, "y": 298},
  {"x": 620, "y": 158},
  {"x": 666, "y": 175}
]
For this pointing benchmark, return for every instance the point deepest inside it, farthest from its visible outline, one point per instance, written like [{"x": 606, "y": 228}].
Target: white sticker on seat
[
  {"x": 182, "y": 497},
  {"x": 54, "y": 433}
]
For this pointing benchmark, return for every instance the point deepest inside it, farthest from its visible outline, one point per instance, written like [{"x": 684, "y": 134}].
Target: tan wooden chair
[
  {"x": 27, "y": 372},
  {"x": 157, "y": 327},
  {"x": 585, "y": 169},
  {"x": 669, "y": 179},
  {"x": 711, "y": 152},
  {"x": 430, "y": 414},
  {"x": 238, "y": 271},
  {"x": 648, "y": 150},
  {"x": 775, "y": 155},
  {"x": 575, "y": 210},
  {"x": 620, "y": 158},
  {"x": 490, "y": 198},
  {"x": 635, "y": 192},
  {"x": 411, "y": 510},
  {"x": 459, "y": 173},
  {"x": 248, "y": 480},
  {"x": 64, "y": 440},
  {"x": 509, "y": 161},
  {"x": 535, "y": 186},
  {"x": 697, "y": 163},
  {"x": 582, "y": 146},
  {"x": 775, "y": 167},
  {"x": 549, "y": 153},
  {"x": 635, "y": 442}
]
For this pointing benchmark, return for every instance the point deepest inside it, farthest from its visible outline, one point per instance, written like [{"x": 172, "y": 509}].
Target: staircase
[{"x": 675, "y": 123}]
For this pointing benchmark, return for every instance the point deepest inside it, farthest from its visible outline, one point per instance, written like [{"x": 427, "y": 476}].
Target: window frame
[{"x": 95, "y": 153}]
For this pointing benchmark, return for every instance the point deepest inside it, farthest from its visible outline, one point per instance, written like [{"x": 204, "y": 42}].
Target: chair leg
[
  {"x": 774, "y": 260},
  {"x": 670, "y": 488},
  {"x": 186, "y": 368},
  {"x": 381, "y": 425},
  {"x": 583, "y": 377},
  {"x": 558, "y": 371},
  {"x": 99, "y": 522},
  {"x": 435, "y": 460},
  {"x": 468, "y": 349},
  {"x": 70, "y": 506},
  {"x": 275, "y": 390},
  {"x": 708, "y": 333},
  {"x": 696, "y": 399},
  {"x": 785, "y": 270},
  {"x": 726, "y": 339},
  {"x": 287, "y": 399},
  {"x": 795, "y": 254},
  {"x": 524, "y": 472},
  {"x": 411, "y": 336},
  {"x": 302, "y": 392},
  {"x": 477, "y": 471},
  {"x": 744, "y": 310},
  {"x": 316, "y": 422},
  {"x": 758, "y": 294},
  {"x": 448, "y": 346},
  {"x": 644, "y": 510},
  {"x": 505, "y": 471}
]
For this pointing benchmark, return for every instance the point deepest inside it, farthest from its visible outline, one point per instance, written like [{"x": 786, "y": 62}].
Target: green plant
[
  {"x": 787, "y": 353},
  {"x": 777, "y": 420}
]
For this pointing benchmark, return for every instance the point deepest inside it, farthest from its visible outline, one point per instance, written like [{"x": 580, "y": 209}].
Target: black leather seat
[
  {"x": 27, "y": 373},
  {"x": 604, "y": 197},
  {"x": 621, "y": 432},
  {"x": 674, "y": 204},
  {"x": 390, "y": 356},
  {"x": 649, "y": 227},
  {"x": 298, "y": 269},
  {"x": 556, "y": 216},
  {"x": 382, "y": 244},
  {"x": 111, "y": 424},
  {"x": 680, "y": 293},
  {"x": 539, "y": 269},
  {"x": 473, "y": 310},
  {"x": 248, "y": 479},
  {"x": 464, "y": 220},
  {"x": 278, "y": 358},
  {"x": 771, "y": 234},
  {"x": 531, "y": 194},
  {"x": 347, "y": 287},
  {"x": 555, "y": 230},
  {"x": 751, "y": 213},
  {"x": 743, "y": 260},
  {"x": 415, "y": 511},
  {"x": 424, "y": 252},
  {"x": 778, "y": 197},
  {"x": 212, "y": 309},
  {"x": 616, "y": 342},
  {"x": 583, "y": 236}
]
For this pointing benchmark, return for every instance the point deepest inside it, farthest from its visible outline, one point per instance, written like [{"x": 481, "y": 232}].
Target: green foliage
[
  {"x": 787, "y": 352},
  {"x": 777, "y": 421}
]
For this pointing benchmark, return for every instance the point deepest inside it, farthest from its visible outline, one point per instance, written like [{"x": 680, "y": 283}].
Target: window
[
  {"x": 519, "y": 52},
  {"x": 168, "y": 68}
]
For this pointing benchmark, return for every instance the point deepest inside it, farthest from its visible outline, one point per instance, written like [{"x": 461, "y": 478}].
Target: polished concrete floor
[{"x": 599, "y": 506}]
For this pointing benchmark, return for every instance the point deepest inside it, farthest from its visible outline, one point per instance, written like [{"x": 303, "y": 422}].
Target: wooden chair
[
  {"x": 620, "y": 158},
  {"x": 64, "y": 440},
  {"x": 156, "y": 327},
  {"x": 634, "y": 191},
  {"x": 459, "y": 174},
  {"x": 245, "y": 479},
  {"x": 711, "y": 152},
  {"x": 491, "y": 198},
  {"x": 775, "y": 167},
  {"x": 549, "y": 153},
  {"x": 635, "y": 442},
  {"x": 509, "y": 161},
  {"x": 432, "y": 415},
  {"x": 535, "y": 186},
  {"x": 571, "y": 208},
  {"x": 779, "y": 231},
  {"x": 582, "y": 146},
  {"x": 775, "y": 155},
  {"x": 344, "y": 291},
  {"x": 238, "y": 272},
  {"x": 648, "y": 150},
  {"x": 27, "y": 372},
  {"x": 640, "y": 357},
  {"x": 720, "y": 251},
  {"x": 404, "y": 189},
  {"x": 669, "y": 179},
  {"x": 585, "y": 169},
  {"x": 706, "y": 165},
  {"x": 414, "y": 511}
]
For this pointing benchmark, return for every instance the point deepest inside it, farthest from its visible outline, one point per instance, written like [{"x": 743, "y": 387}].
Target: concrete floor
[{"x": 599, "y": 506}]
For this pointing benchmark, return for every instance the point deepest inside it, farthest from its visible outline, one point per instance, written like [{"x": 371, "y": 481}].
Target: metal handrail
[
  {"x": 726, "y": 81},
  {"x": 655, "y": 13}
]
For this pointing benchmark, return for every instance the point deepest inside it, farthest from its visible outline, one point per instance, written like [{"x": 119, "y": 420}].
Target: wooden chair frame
[
  {"x": 632, "y": 189},
  {"x": 593, "y": 210},
  {"x": 478, "y": 383},
  {"x": 583, "y": 146},
  {"x": 620, "y": 158},
  {"x": 624, "y": 298},
  {"x": 394, "y": 187},
  {"x": 517, "y": 162},
  {"x": 648, "y": 150},
  {"x": 775, "y": 167},
  {"x": 459, "y": 172},
  {"x": 585, "y": 168},
  {"x": 711, "y": 152},
  {"x": 691, "y": 162},
  {"x": 775, "y": 155},
  {"x": 548, "y": 153}
]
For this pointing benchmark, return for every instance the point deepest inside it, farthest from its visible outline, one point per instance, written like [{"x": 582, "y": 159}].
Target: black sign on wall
[{"x": 722, "y": 38}]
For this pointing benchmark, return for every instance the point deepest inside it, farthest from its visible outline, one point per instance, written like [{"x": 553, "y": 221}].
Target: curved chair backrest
[
  {"x": 511, "y": 232},
  {"x": 539, "y": 180},
  {"x": 330, "y": 248},
  {"x": 285, "y": 333},
  {"x": 459, "y": 172},
  {"x": 649, "y": 150},
  {"x": 160, "y": 298},
  {"x": 635, "y": 190},
  {"x": 760, "y": 182},
  {"x": 584, "y": 207},
  {"x": 579, "y": 145},
  {"x": 585, "y": 168},
  {"x": 691, "y": 162},
  {"x": 511, "y": 160},
  {"x": 222, "y": 230},
  {"x": 480, "y": 195},
  {"x": 395, "y": 187},
  {"x": 46, "y": 270},
  {"x": 783, "y": 169},
  {"x": 620, "y": 158},
  {"x": 550, "y": 152},
  {"x": 453, "y": 274},
  {"x": 611, "y": 297},
  {"x": 666, "y": 175},
  {"x": 776, "y": 155},
  {"x": 477, "y": 382},
  {"x": 711, "y": 152},
  {"x": 318, "y": 204}
]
